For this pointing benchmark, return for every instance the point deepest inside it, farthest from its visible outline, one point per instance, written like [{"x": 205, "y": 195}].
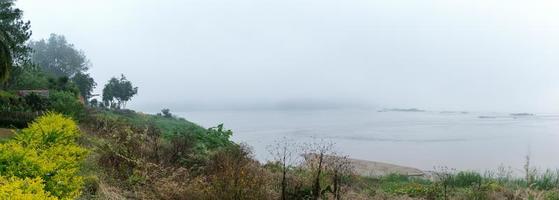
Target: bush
[
  {"x": 18, "y": 111},
  {"x": 63, "y": 84},
  {"x": 204, "y": 140},
  {"x": 179, "y": 149},
  {"x": 28, "y": 78},
  {"x": 66, "y": 103},
  {"x": 36, "y": 102},
  {"x": 124, "y": 149},
  {"x": 466, "y": 179},
  {"x": 235, "y": 175},
  {"x": 91, "y": 186},
  {"x": 49, "y": 131},
  {"x": 215, "y": 137},
  {"x": 45, "y": 151},
  {"x": 412, "y": 189},
  {"x": 551, "y": 195},
  {"x": 11, "y": 102},
  {"x": 16, "y": 119},
  {"x": 546, "y": 181},
  {"x": 120, "y": 153},
  {"x": 17, "y": 188}
]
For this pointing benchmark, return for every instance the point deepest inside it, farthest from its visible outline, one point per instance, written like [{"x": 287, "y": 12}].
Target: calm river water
[{"x": 418, "y": 139}]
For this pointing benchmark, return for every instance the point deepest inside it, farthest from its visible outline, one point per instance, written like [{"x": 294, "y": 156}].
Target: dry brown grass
[{"x": 109, "y": 192}]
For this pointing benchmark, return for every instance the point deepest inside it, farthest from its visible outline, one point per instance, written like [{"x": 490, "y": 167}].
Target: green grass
[
  {"x": 409, "y": 186},
  {"x": 168, "y": 126},
  {"x": 471, "y": 184},
  {"x": 174, "y": 128}
]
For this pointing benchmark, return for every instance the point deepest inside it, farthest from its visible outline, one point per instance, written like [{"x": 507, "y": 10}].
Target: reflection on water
[{"x": 418, "y": 139}]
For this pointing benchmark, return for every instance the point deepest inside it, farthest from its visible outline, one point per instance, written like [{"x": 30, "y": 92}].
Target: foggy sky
[{"x": 485, "y": 55}]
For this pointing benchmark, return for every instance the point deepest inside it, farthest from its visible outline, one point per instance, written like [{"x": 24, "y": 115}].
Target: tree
[
  {"x": 5, "y": 58},
  {"x": 315, "y": 157},
  {"x": 340, "y": 169},
  {"x": 85, "y": 84},
  {"x": 283, "y": 152},
  {"x": 444, "y": 176},
  {"x": 28, "y": 77},
  {"x": 118, "y": 92},
  {"x": 58, "y": 57},
  {"x": 330, "y": 171},
  {"x": 94, "y": 103},
  {"x": 166, "y": 112},
  {"x": 14, "y": 32}
]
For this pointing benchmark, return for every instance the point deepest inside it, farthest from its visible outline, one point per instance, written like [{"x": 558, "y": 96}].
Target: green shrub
[
  {"x": 410, "y": 186},
  {"x": 215, "y": 137},
  {"x": 91, "y": 186},
  {"x": 18, "y": 111},
  {"x": 177, "y": 149},
  {"x": 172, "y": 128},
  {"x": 63, "y": 84},
  {"x": 36, "y": 102},
  {"x": 412, "y": 189},
  {"x": 479, "y": 191},
  {"x": 11, "y": 102},
  {"x": 16, "y": 119},
  {"x": 466, "y": 179},
  {"x": 28, "y": 78},
  {"x": 551, "y": 195},
  {"x": 66, "y": 103},
  {"x": 395, "y": 178},
  {"x": 546, "y": 181}
]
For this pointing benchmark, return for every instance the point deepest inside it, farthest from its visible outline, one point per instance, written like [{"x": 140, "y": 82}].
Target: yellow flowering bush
[
  {"x": 23, "y": 189},
  {"x": 47, "y": 130},
  {"x": 46, "y": 152}
]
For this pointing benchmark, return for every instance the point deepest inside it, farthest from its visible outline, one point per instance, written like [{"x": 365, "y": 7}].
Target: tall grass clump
[{"x": 547, "y": 180}]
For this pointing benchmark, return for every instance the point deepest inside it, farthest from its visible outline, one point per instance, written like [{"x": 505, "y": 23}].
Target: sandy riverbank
[{"x": 375, "y": 169}]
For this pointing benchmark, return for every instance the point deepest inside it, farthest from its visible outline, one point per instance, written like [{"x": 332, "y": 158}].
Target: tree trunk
[
  {"x": 283, "y": 180},
  {"x": 316, "y": 186},
  {"x": 336, "y": 186}
]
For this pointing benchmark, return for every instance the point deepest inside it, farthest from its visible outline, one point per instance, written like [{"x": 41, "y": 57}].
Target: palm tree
[
  {"x": 5, "y": 57},
  {"x": 14, "y": 32}
]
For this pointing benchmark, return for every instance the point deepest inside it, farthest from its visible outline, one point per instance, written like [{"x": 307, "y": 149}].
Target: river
[{"x": 419, "y": 139}]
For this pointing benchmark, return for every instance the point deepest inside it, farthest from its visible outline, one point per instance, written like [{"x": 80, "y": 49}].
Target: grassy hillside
[{"x": 167, "y": 125}]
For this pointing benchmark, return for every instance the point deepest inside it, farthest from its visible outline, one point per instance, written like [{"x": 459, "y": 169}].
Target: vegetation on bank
[
  {"x": 447, "y": 184},
  {"x": 156, "y": 169},
  {"x": 130, "y": 157},
  {"x": 66, "y": 144}
]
